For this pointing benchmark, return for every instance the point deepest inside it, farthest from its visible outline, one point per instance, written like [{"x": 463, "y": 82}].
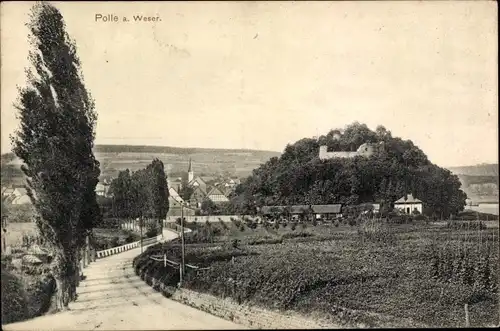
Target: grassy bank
[{"x": 383, "y": 274}]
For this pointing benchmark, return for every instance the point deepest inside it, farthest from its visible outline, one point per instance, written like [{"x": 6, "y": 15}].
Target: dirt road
[{"x": 112, "y": 297}]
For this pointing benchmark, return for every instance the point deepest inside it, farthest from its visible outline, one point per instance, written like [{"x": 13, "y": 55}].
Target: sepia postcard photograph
[{"x": 222, "y": 165}]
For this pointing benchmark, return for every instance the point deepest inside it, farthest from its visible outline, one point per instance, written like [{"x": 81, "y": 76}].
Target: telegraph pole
[
  {"x": 140, "y": 226},
  {"x": 181, "y": 270}
]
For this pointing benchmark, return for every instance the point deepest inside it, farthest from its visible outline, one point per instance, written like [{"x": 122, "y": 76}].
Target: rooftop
[{"x": 408, "y": 199}]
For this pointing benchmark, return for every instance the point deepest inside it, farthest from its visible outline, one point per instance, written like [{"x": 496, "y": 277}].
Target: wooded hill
[{"x": 397, "y": 167}]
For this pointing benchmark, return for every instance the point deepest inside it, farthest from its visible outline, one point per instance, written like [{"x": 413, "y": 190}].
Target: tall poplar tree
[
  {"x": 55, "y": 141},
  {"x": 160, "y": 189}
]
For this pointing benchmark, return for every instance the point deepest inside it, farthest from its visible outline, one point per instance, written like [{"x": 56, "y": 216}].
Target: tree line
[
  {"x": 396, "y": 168},
  {"x": 141, "y": 194}
]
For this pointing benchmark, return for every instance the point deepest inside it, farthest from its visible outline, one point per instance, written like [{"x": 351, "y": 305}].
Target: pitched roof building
[
  {"x": 175, "y": 195},
  {"x": 319, "y": 211},
  {"x": 408, "y": 204},
  {"x": 216, "y": 195}
]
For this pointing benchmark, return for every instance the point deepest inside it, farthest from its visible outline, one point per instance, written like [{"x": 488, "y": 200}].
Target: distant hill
[
  {"x": 113, "y": 158},
  {"x": 477, "y": 170},
  {"x": 174, "y": 150},
  {"x": 480, "y": 182}
]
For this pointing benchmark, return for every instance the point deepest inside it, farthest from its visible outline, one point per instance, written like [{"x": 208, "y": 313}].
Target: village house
[
  {"x": 174, "y": 194},
  {"x": 296, "y": 211},
  {"x": 216, "y": 195},
  {"x": 408, "y": 204},
  {"x": 101, "y": 189}
]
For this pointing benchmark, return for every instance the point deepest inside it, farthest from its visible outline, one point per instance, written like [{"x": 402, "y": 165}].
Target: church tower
[{"x": 190, "y": 172}]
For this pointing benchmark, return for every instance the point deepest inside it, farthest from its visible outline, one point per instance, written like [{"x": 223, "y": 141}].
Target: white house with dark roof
[
  {"x": 408, "y": 204},
  {"x": 216, "y": 195}
]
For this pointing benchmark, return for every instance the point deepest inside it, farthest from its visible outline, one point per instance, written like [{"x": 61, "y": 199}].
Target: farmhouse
[
  {"x": 408, "y": 204},
  {"x": 217, "y": 196},
  {"x": 296, "y": 211},
  {"x": 101, "y": 189},
  {"x": 327, "y": 211},
  {"x": 197, "y": 196}
]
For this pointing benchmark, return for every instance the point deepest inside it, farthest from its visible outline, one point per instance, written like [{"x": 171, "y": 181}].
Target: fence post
[
  {"x": 82, "y": 265},
  {"x": 87, "y": 250},
  {"x": 82, "y": 254},
  {"x": 467, "y": 322}
]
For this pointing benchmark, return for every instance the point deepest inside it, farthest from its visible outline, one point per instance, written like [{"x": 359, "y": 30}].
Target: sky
[{"x": 260, "y": 75}]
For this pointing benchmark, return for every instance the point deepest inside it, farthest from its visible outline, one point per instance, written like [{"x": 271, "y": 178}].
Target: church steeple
[{"x": 190, "y": 171}]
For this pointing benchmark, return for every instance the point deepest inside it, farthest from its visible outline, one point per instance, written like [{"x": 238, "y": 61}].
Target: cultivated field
[
  {"x": 114, "y": 158},
  {"x": 373, "y": 274}
]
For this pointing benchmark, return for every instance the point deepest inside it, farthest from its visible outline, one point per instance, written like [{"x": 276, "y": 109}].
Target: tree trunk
[{"x": 62, "y": 294}]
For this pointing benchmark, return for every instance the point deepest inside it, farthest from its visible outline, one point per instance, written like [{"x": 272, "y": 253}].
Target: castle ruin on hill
[{"x": 366, "y": 150}]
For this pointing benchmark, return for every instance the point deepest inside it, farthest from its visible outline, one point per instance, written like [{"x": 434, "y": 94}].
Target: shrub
[
  {"x": 25, "y": 297},
  {"x": 301, "y": 234},
  {"x": 151, "y": 230},
  {"x": 216, "y": 231},
  {"x": 114, "y": 242},
  {"x": 242, "y": 227},
  {"x": 224, "y": 225},
  {"x": 132, "y": 237},
  {"x": 294, "y": 226},
  {"x": 466, "y": 225},
  {"x": 314, "y": 222},
  {"x": 336, "y": 224},
  {"x": 466, "y": 264},
  {"x": 110, "y": 223},
  {"x": 304, "y": 225},
  {"x": 265, "y": 241},
  {"x": 31, "y": 239},
  {"x": 14, "y": 303},
  {"x": 420, "y": 217}
]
